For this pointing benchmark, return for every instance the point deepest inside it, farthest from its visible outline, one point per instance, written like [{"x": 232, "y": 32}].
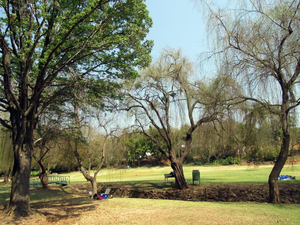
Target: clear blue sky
[{"x": 177, "y": 24}]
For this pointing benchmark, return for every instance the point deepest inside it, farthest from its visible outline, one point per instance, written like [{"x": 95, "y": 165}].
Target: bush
[
  {"x": 228, "y": 161},
  {"x": 34, "y": 173},
  {"x": 271, "y": 153}
]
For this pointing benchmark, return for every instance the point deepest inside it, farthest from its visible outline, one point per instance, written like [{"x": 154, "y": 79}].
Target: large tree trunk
[
  {"x": 274, "y": 196},
  {"x": 176, "y": 163},
  {"x": 19, "y": 204},
  {"x": 180, "y": 182}
]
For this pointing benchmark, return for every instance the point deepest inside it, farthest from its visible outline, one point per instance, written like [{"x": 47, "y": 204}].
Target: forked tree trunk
[
  {"x": 91, "y": 179},
  {"x": 19, "y": 204},
  {"x": 274, "y": 196},
  {"x": 43, "y": 175},
  {"x": 86, "y": 175}
]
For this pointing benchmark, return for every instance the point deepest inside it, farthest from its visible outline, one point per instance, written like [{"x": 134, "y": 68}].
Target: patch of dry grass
[
  {"x": 55, "y": 206},
  {"x": 144, "y": 211}
]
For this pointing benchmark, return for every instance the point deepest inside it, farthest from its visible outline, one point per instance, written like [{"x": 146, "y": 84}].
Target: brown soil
[{"x": 289, "y": 193}]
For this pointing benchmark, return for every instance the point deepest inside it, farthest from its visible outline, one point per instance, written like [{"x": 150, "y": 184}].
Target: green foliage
[
  {"x": 139, "y": 145},
  {"x": 228, "y": 161},
  {"x": 266, "y": 153},
  {"x": 270, "y": 153},
  {"x": 59, "y": 49},
  {"x": 34, "y": 173}
]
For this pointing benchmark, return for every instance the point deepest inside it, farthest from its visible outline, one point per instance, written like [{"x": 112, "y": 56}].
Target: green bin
[{"x": 196, "y": 176}]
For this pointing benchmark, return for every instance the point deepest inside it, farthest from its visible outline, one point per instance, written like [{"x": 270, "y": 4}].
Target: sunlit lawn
[{"x": 208, "y": 174}]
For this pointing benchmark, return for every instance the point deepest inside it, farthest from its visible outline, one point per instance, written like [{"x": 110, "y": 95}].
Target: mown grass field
[
  {"x": 63, "y": 206},
  {"x": 208, "y": 175}
]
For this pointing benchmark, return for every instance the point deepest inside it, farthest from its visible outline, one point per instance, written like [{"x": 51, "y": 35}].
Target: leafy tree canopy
[{"x": 47, "y": 46}]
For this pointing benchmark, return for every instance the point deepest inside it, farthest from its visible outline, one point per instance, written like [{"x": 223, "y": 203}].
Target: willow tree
[
  {"x": 41, "y": 42},
  {"x": 168, "y": 96},
  {"x": 259, "y": 41}
]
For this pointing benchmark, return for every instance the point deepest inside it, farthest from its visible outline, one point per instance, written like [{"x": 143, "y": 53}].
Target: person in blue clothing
[{"x": 286, "y": 177}]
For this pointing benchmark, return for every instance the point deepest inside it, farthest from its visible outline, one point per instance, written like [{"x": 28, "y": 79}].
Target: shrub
[
  {"x": 231, "y": 160},
  {"x": 228, "y": 161},
  {"x": 34, "y": 173},
  {"x": 271, "y": 153}
]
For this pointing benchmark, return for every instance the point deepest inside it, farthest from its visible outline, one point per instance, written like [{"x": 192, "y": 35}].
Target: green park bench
[{"x": 63, "y": 180}]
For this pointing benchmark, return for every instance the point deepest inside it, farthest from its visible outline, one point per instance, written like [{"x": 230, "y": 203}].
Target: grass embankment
[{"x": 57, "y": 206}]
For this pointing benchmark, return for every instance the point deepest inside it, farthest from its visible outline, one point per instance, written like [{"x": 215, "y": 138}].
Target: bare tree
[
  {"x": 259, "y": 45},
  {"x": 166, "y": 97},
  {"x": 77, "y": 140}
]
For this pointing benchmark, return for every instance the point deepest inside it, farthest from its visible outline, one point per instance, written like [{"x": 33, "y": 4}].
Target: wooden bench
[{"x": 167, "y": 176}]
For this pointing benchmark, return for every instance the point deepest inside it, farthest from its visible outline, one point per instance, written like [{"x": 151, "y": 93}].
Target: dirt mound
[{"x": 289, "y": 193}]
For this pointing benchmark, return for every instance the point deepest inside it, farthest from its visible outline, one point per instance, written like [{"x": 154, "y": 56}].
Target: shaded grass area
[{"x": 48, "y": 205}]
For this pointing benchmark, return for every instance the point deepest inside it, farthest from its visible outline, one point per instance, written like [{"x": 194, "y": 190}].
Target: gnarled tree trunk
[
  {"x": 180, "y": 182},
  {"x": 43, "y": 175},
  {"x": 274, "y": 196}
]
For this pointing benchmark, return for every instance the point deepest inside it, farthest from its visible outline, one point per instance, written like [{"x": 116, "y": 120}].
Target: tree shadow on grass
[
  {"x": 52, "y": 205},
  {"x": 56, "y": 210},
  {"x": 4, "y": 192}
]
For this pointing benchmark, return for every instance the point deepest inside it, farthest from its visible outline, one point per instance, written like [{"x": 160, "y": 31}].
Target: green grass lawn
[{"x": 208, "y": 175}]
